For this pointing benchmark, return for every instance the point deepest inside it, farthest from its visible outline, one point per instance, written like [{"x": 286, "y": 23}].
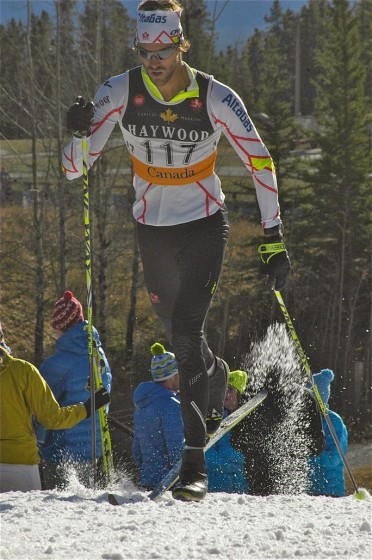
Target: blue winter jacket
[
  {"x": 326, "y": 471},
  {"x": 225, "y": 466},
  {"x": 158, "y": 431},
  {"x": 67, "y": 374}
]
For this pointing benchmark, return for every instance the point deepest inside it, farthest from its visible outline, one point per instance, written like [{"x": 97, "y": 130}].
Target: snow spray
[{"x": 276, "y": 437}]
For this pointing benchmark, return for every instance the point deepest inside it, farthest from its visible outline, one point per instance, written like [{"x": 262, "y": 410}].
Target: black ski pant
[{"x": 182, "y": 266}]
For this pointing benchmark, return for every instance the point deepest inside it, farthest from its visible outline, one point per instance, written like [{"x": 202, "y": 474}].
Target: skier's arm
[
  {"x": 228, "y": 112},
  {"x": 108, "y": 108}
]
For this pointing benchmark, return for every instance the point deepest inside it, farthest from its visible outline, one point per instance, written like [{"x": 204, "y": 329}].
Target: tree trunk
[
  {"x": 60, "y": 180},
  {"x": 37, "y": 207}
]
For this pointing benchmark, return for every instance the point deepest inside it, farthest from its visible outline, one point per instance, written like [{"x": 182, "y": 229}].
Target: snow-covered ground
[{"x": 80, "y": 524}]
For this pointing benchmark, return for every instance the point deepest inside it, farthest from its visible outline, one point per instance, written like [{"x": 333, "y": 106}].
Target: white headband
[{"x": 160, "y": 26}]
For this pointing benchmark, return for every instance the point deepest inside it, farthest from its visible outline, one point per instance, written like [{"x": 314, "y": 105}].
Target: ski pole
[
  {"x": 107, "y": 456},
  {"x": 121, "y": 425},
  {"x": 95, "y": 377},
  {"x": 88, "y": 278},
  {"x": 359, "y": 494}
]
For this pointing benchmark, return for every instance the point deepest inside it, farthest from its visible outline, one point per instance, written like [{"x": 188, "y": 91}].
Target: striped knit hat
[
  {"x": 67, "y": 312},
  {"x": 163, "y": 364}
]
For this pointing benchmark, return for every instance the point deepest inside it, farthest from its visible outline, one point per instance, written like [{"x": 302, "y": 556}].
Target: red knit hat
[{"x": 67, "y": 312}]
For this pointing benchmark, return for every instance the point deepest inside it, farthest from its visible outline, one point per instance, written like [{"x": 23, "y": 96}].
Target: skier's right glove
[
  {"x": 102, "y": 397},
  {"x": 79, "y": 117}
]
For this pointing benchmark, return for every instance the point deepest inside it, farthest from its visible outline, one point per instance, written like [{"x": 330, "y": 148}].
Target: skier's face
[{"x": 160, "y": 63}]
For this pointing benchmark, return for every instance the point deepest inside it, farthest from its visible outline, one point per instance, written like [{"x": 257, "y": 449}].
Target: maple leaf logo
[
  {"x": 196, "y": 104},
  {"x": 169, "y": 116}
]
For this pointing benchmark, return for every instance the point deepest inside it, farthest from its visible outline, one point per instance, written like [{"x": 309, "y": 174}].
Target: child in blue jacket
[
  {"x": 225, "y": 464},
  {"x": 326, "y": 471},
  {"x": 158, "y": 427},
  {"x": 67, "y": 374}
]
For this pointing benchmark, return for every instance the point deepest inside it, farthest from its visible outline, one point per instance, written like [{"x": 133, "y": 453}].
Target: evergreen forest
[{"x": 306, "y": 82}]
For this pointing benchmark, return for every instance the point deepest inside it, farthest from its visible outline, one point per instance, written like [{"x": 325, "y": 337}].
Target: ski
[{"x": 226, "y": 425}]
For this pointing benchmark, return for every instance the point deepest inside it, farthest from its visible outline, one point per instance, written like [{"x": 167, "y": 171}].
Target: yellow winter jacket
[{"x": 23, "y": 394}]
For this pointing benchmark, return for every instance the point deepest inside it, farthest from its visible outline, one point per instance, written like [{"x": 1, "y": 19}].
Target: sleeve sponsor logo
[
  {"x": 236, "y": 107},
  {"x": 102, "y": 102}
]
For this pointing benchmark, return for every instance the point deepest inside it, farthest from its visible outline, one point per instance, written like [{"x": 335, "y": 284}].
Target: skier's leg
[
  {"x": 158, "y": 249},
  {"x": 200, "y": 263},
  {"x": 182, "y": 265}
]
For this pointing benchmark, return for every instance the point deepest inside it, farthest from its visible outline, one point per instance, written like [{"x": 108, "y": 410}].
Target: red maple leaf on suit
[{"x": 196, "y": 104}]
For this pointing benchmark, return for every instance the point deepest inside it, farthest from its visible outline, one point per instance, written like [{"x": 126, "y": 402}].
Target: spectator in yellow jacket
[{"x": 24, "y": 394}]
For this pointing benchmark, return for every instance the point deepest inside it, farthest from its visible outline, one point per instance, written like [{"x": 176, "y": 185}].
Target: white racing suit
[{"x": 179, "y": 204}]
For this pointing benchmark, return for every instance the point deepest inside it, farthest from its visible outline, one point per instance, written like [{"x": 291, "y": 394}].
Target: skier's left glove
[
  {"x": 275, "y": 263},
  {"x": 101, "y": 398}
]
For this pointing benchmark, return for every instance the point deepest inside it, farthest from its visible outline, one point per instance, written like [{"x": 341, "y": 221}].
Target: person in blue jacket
[
  {"x": 225, "y": 464},
  {"x": 67, "y": 373},
  {"x": 158, "y": 428},
  {"x": 326, "y": 470}
]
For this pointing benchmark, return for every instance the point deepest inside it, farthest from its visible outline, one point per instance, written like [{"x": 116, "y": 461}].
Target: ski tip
[{"x": 362, "y": 494}]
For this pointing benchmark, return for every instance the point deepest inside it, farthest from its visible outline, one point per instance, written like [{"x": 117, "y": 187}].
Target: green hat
[{"x": 238, "y": 379}]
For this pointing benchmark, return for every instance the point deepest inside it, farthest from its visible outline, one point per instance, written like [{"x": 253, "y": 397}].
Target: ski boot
[
  {"x": 192, "y": 485},
  {"x": 217, "y": 391}
]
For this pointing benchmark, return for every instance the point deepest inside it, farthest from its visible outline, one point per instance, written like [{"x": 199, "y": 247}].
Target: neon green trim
[
  {"x": 260, "y": 163},
  {"x": 156, "y": 93},
  {"x": 270, "y": 249}
]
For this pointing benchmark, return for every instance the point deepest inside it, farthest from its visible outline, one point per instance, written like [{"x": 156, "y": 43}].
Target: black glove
[
  {"x": 275, "y": 261},
  {"x": 102, "y": 397},
  {"x": 79, "y": 117}
]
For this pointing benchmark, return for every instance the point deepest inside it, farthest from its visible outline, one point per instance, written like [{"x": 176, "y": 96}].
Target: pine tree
[
  {"x": 13, "y": 76},
  {"x": 251, "y": 76},
  {"x": 197, "y": 27},
  {"x": 363, "y": 11},
  {"x": 277, "y": 92},
  {"x": 312, "y": 18},
  {"x": 339, "y": 245}
]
